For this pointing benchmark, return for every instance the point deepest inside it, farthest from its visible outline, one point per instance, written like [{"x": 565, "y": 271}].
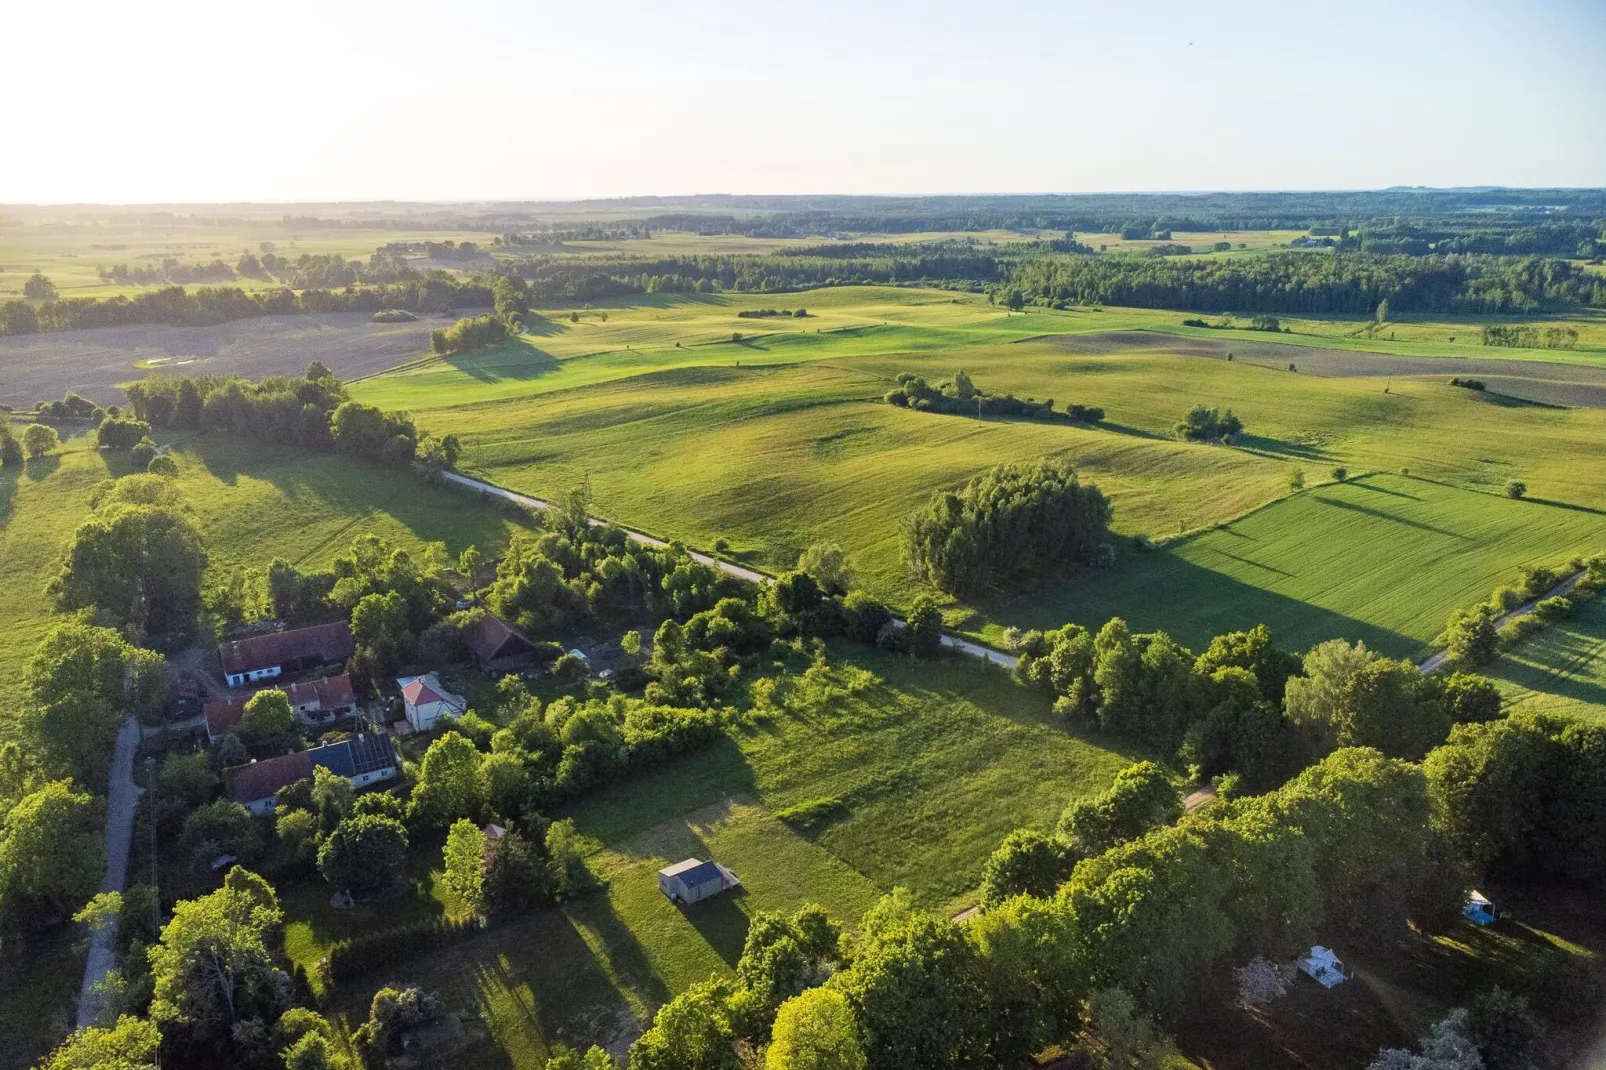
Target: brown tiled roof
[
  {"x": 261, "y": 779},
  {"x": 490, "y": 637},
  {"x": 330, "y": 692},
  {"x": 223, "y": 714},
  {"x": 325, "y": 642}
]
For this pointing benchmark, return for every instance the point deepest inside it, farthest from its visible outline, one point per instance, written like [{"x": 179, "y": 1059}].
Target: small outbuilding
[
  {"x": 1324, "y": 966},
  {"x": 427, "y": 701},
  {"x": 692, "y": 880},
  {"x": 1478, "y": 909}
]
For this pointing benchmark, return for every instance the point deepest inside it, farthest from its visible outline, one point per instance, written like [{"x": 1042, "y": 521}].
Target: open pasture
[
  {"x": 1383, "y": 559},
  {"x": 1561, "y": 669},
  {"x": 94, "y": 362}
]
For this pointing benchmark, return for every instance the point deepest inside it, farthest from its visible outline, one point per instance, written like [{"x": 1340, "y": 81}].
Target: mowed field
[
  {"x": 1562, "y": 669},
  {"x": 926, "y": 768}
]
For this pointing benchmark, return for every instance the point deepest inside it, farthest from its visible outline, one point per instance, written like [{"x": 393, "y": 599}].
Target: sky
[{"x": 442, "y": 100}]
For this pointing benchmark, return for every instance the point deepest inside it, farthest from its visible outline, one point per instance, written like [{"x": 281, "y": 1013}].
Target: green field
[
  {"x": 795, "y": 446},
  {"x": 1383, "y": 559},
  {"x": 928, "y": 766},
  {"x": 253, "y": 501},
  {"x": 1561, "y": 669}
]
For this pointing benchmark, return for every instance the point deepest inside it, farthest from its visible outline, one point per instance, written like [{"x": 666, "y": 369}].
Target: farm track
[
  {"x": 1437, "y": 660},
  {"x": 963, "y": 646}
]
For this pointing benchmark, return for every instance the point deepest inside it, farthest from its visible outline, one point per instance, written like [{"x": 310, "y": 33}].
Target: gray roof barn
[{"x": 692, "y": 880}]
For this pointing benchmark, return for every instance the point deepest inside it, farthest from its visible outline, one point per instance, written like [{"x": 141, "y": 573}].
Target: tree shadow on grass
[
  {"x": 39, "y": 468},
  {"x": 1381, "y": 515},
  {"x": 625, "y": 953},
  {"x": 507, "y": 361},
  {"x": 1276, "y": 449},
  {"x": 1164, "y": 591}
]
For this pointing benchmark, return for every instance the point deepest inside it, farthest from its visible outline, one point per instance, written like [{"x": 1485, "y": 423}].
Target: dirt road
[
  {"x": 963, "y": 646},
  {"x": 121, "y": 796},
  {"x": 1438, "y": 660}
]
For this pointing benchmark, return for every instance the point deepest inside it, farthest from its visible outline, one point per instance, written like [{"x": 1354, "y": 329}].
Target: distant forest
[{"x": 1492, "y": 251}]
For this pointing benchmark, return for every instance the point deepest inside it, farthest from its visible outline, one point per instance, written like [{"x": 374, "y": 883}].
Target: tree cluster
[
  {"x": 1011, "y": 522},
  {"x": 960, "y": 397}
]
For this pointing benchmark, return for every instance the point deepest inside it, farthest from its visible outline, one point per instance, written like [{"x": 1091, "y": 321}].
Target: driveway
[{"x": 121, "y": 796}]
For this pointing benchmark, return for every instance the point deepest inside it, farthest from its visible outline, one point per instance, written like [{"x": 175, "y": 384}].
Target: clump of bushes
[
  {"x": 1467, "y": 384},
  {"x": 394, "y": 315},
  {"x": 1203, "y": 424},
  {"x": 468, "y": 333},
  {"x": 768, "y": 313},
  {"x": 960, "y": 397}
]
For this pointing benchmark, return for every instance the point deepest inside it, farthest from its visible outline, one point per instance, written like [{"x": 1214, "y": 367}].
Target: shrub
[
  {"x": 162, "y": 465},
  {"x": 1340, "y": 474},
  {"x": 1517, "y": 629},
  {"x": 142, "y": 453},
  {"x": 1516, "y": 489},
  {"x": 121, "y": 433},
  {"x": 1553, "y": 609},
  {"x": 1202, "y": 424}
]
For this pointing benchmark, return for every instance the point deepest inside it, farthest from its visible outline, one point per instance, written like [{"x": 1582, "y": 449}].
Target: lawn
[{"x": 1562, "y": 669}]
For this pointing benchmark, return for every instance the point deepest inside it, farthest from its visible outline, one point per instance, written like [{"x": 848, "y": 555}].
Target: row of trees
[
  {"x": 1245, "y": 707},
  {"x": 1291, "y": 282},
  {"x": 1008, "y": 523},
  {"x": 960, "y": 397},
  {"x": 310, "y": 410},
  {"x": 428, "y": 292}
]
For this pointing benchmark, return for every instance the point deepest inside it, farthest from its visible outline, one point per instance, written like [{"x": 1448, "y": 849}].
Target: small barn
[
  {"x": 693, "y": 880},
  {"x": 494, "y": 644}
]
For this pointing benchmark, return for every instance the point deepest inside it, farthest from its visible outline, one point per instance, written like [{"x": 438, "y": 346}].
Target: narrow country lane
[
  {"x": 964, "y": 646},
  {"x": 121, "y": 796}
]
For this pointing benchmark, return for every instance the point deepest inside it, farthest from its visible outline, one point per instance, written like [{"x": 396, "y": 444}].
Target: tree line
[
  {"x": 311, "y": 410},
  {"x": 959, "y": 396},
  {"x": 1300, "y": 283}
]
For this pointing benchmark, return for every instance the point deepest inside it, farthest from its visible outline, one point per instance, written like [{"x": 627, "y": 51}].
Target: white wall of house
[{"x": 236, "y": 679}]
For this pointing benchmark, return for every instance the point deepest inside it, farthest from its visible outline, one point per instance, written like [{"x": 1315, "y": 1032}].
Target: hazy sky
[{"x": 441, "y": 100}]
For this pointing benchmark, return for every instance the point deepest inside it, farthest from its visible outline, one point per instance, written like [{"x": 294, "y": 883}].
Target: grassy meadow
[
  {"x": 1561, "y": 669},
  {"x": 795, "y": 446},
  {"x": 921, "y": 770}
]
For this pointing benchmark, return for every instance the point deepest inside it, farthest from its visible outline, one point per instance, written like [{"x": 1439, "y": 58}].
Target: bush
[
  {"x": 865, "y": 617},
  {"x": 1553, "y": 609},
  {"x": 142, "y": 453},
  {"x": 1516, "y": 489},
  {"x": 1517, "y": 629},
  {"x": 121, "y": 433},
  {"x": 162, "y": 465},
  {"x": 469, "y": 333},
  {"x": 39, "y": 439},
  {"x": 1467, "y": 384}
]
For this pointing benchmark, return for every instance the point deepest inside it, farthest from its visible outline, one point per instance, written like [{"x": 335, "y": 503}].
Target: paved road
[
  {"x": 121, "y": 795},
  {"x": 964, "y": 646},
  {"x": 1438, "y": 660}
]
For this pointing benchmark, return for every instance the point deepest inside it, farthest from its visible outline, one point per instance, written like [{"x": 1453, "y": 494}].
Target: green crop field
[
  {"x": 1382, "y": 559},
  {"x": 1561, "y": 669}
]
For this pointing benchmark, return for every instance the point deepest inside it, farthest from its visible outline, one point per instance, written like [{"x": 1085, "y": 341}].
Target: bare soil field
[
  {"x": 1571, "y": 385},
  {"x": 93, "y": 362}
]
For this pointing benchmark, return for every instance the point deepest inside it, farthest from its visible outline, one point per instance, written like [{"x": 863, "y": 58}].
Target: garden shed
[{"x": 692, "y": 880}]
